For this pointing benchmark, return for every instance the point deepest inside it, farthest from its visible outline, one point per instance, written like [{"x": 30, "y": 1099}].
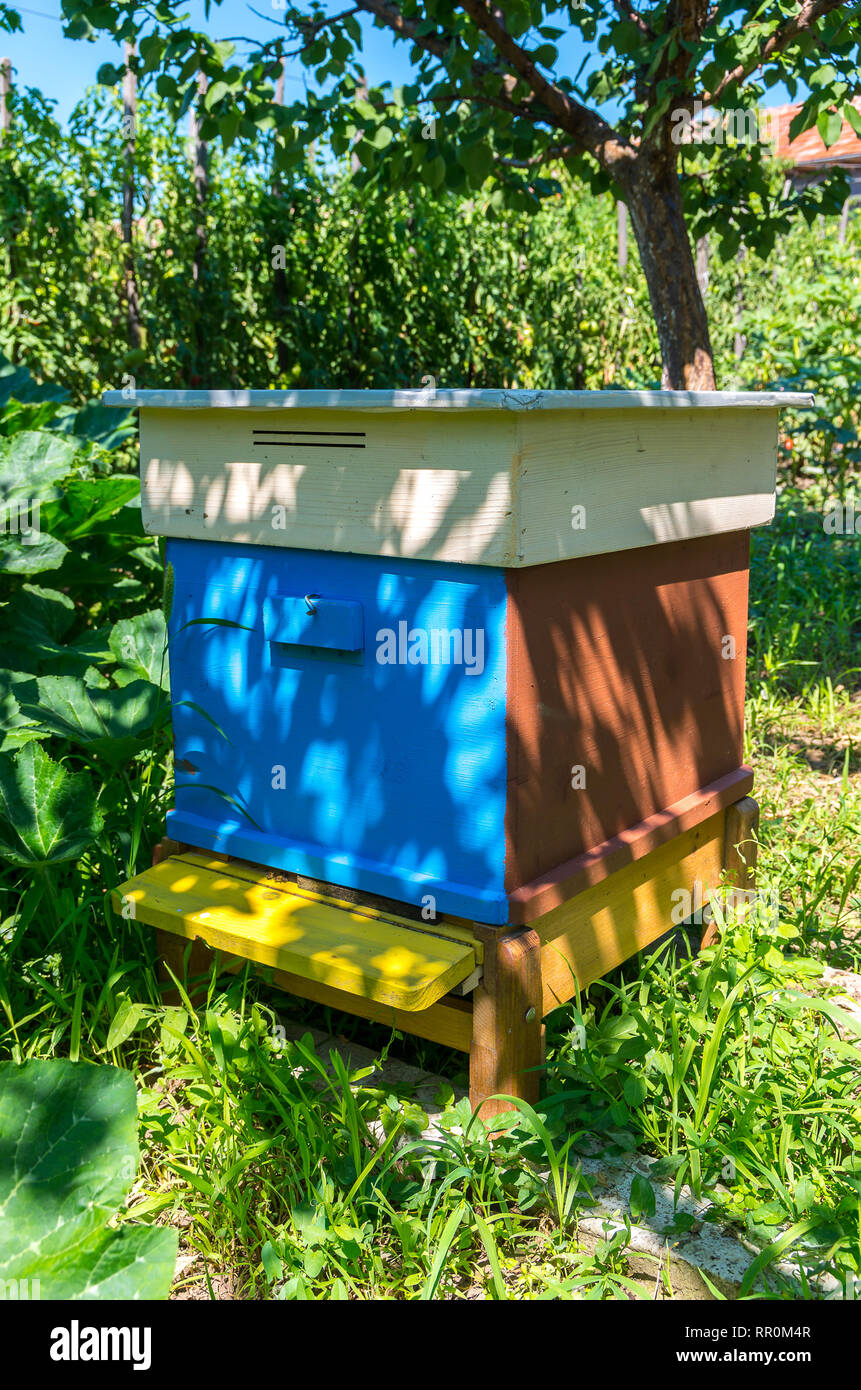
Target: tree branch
[
  {"x": 591, "y": 133},
  {"x": 808, "y": 14},
  {"x": 626, "y": 11}
]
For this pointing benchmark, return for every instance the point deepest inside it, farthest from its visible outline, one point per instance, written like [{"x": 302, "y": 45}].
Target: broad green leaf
[
  {"x": 68, "y": 1157},
  {"x": 139, "y": 645},
  {"x": 15, "y": 729},
  {"x": 113, "y": 723},
  {"x": 635, "y": 1090},
  {"x": 32, "y": 626},
  {"x": 18, "y": 383},
  {"x": 19, "y": 556},
  {"x": 87, "y": 503},
  {"x": 124, "y": 1022},
  {"x": 100, "y": 424},
  {"x": 829, "y": 124},
  {"x": 32, "y": 464},
  {"x": 47, "y": 814}
]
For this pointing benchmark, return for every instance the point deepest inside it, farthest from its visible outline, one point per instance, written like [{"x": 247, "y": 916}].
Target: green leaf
[
  {"x": 314, "y": 1262},
  {"x": 642, "y": 1200},
  {"x": 829, "y": 124},
  {"x": 87, "y": 503},
  {"x": 139, "y": 645},
  {"x": 47, "y": 815},
  {"x": 545, "y": 54},
  {"x": 853, "y": 116},
  {"x": 35, "y": 555},
  {"x": 124, "y": 1022},
  {"x": 271, "y": 1261},
  {"x": 477, "y": 160},
  {"x": 32, "y": 463},
  {"x": 113, "y": 723},
  {"x": 635, "y": 1090},
  {"x": 68, "y": 1156}
]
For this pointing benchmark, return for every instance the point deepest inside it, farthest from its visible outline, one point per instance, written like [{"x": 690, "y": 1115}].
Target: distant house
[{"x": 810, "y": 159}]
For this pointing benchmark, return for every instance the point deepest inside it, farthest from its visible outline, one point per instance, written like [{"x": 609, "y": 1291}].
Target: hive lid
[
  {"x": 433, "y": 399},
  {"x": 501, "y": 478}
]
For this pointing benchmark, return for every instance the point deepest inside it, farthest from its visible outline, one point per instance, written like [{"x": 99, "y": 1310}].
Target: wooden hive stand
[{"x": 482, "y": 990}]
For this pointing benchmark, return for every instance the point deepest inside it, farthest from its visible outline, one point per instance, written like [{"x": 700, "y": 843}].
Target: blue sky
[{"x": 62, "y": 68}]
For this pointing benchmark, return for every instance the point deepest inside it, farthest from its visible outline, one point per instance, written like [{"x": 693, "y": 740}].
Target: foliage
[
  {"x": 68, "y": 1155},
  {"x": 291, "y": 1178},
  {"x": 691, "y": 1055},
  {"x": 497, "y": 89},
  {"x": 310, "y": 282}
]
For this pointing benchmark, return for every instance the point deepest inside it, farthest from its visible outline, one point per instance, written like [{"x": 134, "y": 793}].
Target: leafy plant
[{"x": 68, "y": 1156}]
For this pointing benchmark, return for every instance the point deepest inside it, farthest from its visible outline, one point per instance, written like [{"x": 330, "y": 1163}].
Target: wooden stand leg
[
  {"x": 739, "y": 853},
  {"x": 507, "y": 1032},
  {"x": 193, "y": 972}
]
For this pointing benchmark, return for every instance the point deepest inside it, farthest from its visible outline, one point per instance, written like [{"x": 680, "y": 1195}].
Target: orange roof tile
[{"x": 809, "y": 148}]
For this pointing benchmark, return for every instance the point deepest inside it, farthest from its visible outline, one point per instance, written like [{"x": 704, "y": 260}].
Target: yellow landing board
[{"x": 369, "y": 956}]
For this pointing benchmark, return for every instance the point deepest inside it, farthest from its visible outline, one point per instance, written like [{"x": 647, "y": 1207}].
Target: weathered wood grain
[
  {"x": 491, "y": 488},
  {"x": 600, "y": 928},
  {"x": 625, "y": 696},
  {"x": 507, "y": 1050}
]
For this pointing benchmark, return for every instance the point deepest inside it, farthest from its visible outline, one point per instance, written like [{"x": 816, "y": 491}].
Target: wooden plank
[
  {"x": 740, "y": 853},
  {"x": 740, "y": 846},
  {"x": 551, "y": 890},
  {"x": 455, "y": 929},
  {"x": 442, "y": 399},
  {"x": 642, "y": 478},
  {"x": 448, "y": 1022},
  {"x": 413, "y": 486},
  {"x": 507, "y": 1050},
  {"x": 599, "y": 929},
  {"x": 492, "y": 487},
  {"x": 361, "y": 955},
  {"x": 626, "y": 696}
]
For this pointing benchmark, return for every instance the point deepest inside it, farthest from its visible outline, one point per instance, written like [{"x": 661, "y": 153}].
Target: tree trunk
[
  {"x": 5, "y": 89},
  {"x": 654, "y": 197},
  {"x": 200, "y": 175},
  {"x": 130, "y": 286},
  {"x": 280, "y": 274},
  {"x": 11, "y": 226}
]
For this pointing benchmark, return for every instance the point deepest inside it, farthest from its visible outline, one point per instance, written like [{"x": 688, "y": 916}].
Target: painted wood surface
[
  {"x": 500, "y": 488},
  {"x": 459, "y": 931},
  {"x": 483, "y": 399},
  {"x": 293, "y": 932},
  {"x": 741, "y": 848},
  {"x": 625, "y": 696},
  {"x": 443, "y": 779},
  {"x": 507, "y": 1051},
  {"x": 535, "y": 899},
  {"x": 448, "y": 1022},
  {"x": 597, "y": 930},
  {"x": 366, "y": 769}
]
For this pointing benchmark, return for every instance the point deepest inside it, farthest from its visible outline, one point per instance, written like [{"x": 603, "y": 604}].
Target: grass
[{"x": 289, "y": 1179}]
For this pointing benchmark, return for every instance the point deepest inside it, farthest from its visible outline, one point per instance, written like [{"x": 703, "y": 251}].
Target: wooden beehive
[{"x": 473, "y": 650}]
